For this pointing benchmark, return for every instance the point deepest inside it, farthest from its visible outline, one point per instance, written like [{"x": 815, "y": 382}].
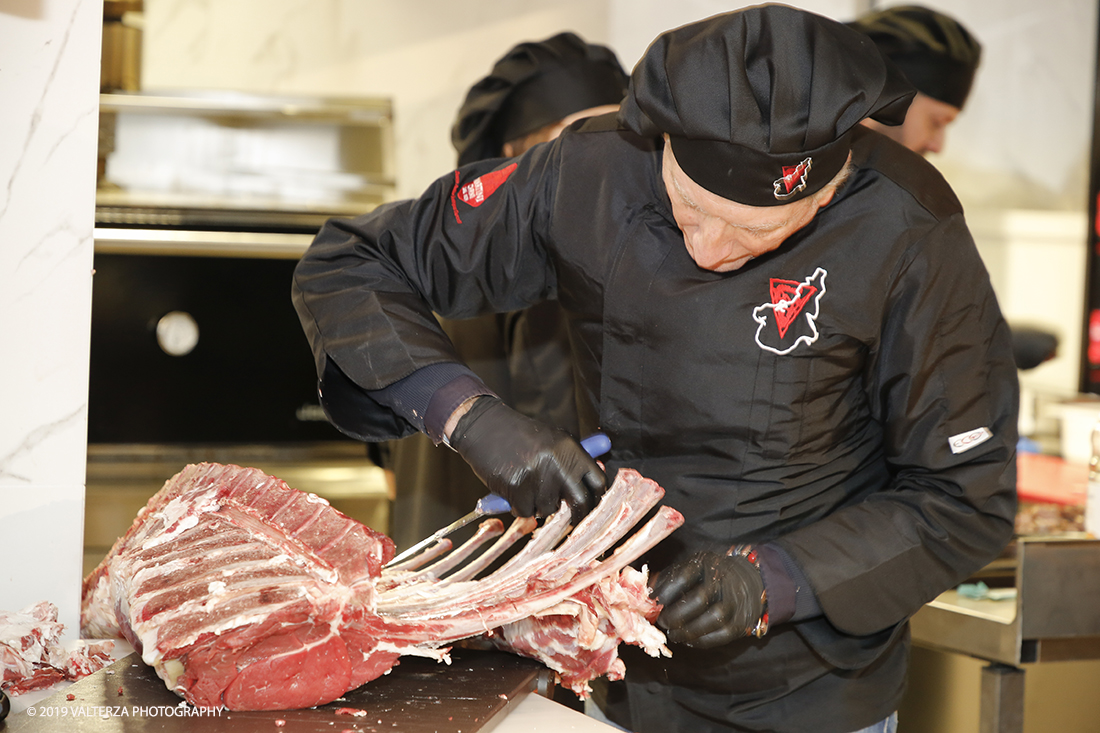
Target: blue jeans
[{"x": 890, "y": 725}]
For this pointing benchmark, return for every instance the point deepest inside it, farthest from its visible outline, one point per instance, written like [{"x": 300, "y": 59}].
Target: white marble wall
[
  {"x": 49, "y": 85},
  {"x": 635, "y": 23},
  {"x": 422, "y": 55}
]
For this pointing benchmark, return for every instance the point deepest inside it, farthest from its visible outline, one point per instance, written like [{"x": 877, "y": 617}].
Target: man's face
[
  {"x": 722, "y": 235},
  {"x": 925, "y": 125}
]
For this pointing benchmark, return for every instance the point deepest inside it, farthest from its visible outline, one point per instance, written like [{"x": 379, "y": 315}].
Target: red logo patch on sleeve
[{"x": 477, "y": 191}]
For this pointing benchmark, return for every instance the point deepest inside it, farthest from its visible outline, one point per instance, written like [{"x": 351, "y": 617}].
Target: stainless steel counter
[{"x": 1055, "y": 616}]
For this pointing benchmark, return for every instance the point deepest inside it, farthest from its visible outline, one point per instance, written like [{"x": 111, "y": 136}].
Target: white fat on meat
[
  {"x": 579, "y": 637},
  {"x": 245, "y": 593}
]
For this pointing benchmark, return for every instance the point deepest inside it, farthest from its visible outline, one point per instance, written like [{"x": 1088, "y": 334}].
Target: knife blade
[{"x": 595, "y": 445}]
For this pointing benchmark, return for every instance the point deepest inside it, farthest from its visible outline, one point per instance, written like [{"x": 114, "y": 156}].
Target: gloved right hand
[
  {"x": 710, "y": 599},
  {"x": 529, "y": 463}
]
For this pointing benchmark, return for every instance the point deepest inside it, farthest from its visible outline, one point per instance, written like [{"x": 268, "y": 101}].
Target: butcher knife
[{"x": 595, "y": 445}]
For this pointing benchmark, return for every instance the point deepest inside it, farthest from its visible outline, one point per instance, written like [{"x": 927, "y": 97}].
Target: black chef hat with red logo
[
  {"x": 934, "y": 51},
  {"x": 535, "y": 84},
  {"x": 759, "y": 103}
]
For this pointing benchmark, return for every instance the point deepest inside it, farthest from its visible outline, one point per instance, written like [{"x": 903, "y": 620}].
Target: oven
[{"x": 205, "y": 202}]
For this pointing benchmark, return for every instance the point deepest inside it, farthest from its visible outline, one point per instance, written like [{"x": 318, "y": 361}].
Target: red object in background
[
  {"x": 1089, "y": 360},
  {"x": 1050, "y": 479},
  {"x": 1094, "y": 337}
]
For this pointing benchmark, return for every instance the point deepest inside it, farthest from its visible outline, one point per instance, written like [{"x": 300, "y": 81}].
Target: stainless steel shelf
[
  {"x": 361, "y": 111},
  {"x": 197, "y": 243}
]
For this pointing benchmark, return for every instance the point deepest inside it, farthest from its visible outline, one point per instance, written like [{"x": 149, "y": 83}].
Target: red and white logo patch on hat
[
  {"x": 478, "y": 190},
  {"x": 793, "y": 180}
]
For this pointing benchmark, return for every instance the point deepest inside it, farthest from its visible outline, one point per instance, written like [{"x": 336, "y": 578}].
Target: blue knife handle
[
  {"x": 595, "y": 445},
  {"x": 493, "y": 504}
]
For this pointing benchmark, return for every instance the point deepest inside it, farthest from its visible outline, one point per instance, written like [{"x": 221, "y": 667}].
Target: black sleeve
[
  {"x": 367, "y": 289},
  {"x": 942, "y": 384}
]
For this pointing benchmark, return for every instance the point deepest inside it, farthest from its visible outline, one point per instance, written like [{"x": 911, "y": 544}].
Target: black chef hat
[
  {"x": 935, "y": 52},
  {"x": 759, "y": 103},
  {"x": 533, "y": 85}
]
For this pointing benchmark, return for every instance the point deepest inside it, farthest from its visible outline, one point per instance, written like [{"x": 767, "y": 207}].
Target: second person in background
[{"x": 531, "y": 94}]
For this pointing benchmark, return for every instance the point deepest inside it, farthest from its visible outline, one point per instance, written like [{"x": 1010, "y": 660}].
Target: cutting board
[
  {"x": 419, "y": 696},
  {"x": 1050, "y": 479}
]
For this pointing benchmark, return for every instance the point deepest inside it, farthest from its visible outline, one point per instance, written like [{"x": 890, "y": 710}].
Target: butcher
[
  {"x": 528, "y": 97},
  {"x": 776, "y": 313}
]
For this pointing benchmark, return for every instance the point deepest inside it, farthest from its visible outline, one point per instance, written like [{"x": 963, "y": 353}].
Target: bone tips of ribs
[{"x": 244, "y": 593}]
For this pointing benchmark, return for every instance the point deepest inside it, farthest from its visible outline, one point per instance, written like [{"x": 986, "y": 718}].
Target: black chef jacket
[{"x": 850, "y": 396}]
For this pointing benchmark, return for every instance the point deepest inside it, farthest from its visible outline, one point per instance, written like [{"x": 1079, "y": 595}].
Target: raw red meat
[
  {"x": 579, "y": 638},
  {"x": 242, "y": 592},
  {"x": 33, "y": 656}
]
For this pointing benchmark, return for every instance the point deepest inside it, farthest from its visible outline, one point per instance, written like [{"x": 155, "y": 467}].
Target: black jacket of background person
[{"x": 850, "y": 396}]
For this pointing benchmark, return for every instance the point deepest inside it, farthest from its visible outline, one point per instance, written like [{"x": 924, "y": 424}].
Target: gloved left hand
[
  {"x": 710, "y": 599},
  {"x": 533, "y": 466}
]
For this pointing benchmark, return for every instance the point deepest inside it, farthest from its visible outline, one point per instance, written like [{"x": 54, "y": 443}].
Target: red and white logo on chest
[{"x": 790, "y": 318}]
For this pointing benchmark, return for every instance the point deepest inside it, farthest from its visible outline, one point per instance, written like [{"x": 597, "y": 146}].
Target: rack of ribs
[{"x": 244, "y": 593}]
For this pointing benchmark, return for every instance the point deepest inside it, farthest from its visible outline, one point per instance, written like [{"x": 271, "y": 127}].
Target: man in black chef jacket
[
  {"x": 815, "y": 369},
  {"x": 530, "y": 95},
  {"x": 938, "y": 56}
]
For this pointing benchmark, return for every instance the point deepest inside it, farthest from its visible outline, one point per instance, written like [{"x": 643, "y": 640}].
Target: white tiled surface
[
  {"x": 537, "y": 714},
  {"x": 49, "y": 85}
]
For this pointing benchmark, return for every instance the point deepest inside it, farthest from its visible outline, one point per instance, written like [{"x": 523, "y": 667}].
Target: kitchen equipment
[
  {"x": 595, "y": 445},
  {"x": 206, "y": 202},
  {"x": 420, "y": 695},
  {"x": 1052, "y": 619}
]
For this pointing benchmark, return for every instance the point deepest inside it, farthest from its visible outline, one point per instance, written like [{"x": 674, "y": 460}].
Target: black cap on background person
[
  {"x": 759, "y": 104},
  {"x": 535, "y": 84},
  {"x": 935, "y": 52},
  {"x": 939, "y": 57}
]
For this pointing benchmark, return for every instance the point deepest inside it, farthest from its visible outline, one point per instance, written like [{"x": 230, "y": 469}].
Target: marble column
[{"x": 49, "y": 87}]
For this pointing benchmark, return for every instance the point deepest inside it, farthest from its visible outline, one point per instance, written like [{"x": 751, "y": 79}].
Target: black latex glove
[
  {"x": 709, "y": 599},
  {"x": 4, "y": 705},
  {"x": 529, "y": 463}
]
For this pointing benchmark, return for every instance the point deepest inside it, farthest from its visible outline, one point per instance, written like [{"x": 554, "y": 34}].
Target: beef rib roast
[{"x": 244, "y": 593}]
